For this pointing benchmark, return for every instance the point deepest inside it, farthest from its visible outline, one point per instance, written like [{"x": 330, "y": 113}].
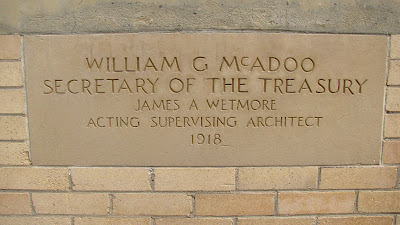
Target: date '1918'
[{"x": 206, "y": 139}]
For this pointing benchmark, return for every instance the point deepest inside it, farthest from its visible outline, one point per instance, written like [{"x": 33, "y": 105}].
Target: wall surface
[
  {"x": 308, "y": 195},
  {"x": 122, "y": 16},
  {"x": 190, "y": 195}
]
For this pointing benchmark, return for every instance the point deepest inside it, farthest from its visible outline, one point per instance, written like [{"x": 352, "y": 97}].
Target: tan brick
[
  {"x": 391, "y": 152},
  {"x": 12, "y": 101},
  {"x": 152, "y": 204},
  {"x": 14, "y": 153},
  {"x": 114, "y": 179},
  {"x": 392, "y": 125},
  {"x": 278, "y": 178},
  {"x": 395, "y": 47},
  {"x": 356, "y": 220},
  {"x": 393, "y": 99},
  {"x": 11, "y": 74},
  {"x": 10, "y": 47},
  {"x": 315, "y": 202},
  {"x": 111, "y": 221},
  {"x": 194, "y": 221},
  {"x": 394, "y": 73},
  {"x": 15, "y": 203},
  {"x": 33, "y": 178},
  {"x": 250, "y": 204},
  {"x": 12, "y": 128},
  {"x": 194, "y": 179},
  {"x": 379, "y": 201},
  {"x": 277, "y": 221},
  {"x": 35, "y": 220},
  {"x": 71, "y": 203},
  {"x": 358, "y": 177}
]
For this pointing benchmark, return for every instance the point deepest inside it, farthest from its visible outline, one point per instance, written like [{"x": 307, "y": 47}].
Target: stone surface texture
[
  {"x": 122, "y": 16},
  {"x": 344, "y": 81}
]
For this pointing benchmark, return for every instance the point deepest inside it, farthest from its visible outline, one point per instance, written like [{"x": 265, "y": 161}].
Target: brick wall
[{"x": 222, "y": 195}]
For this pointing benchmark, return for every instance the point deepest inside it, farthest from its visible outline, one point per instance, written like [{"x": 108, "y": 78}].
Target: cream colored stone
[
  {"x": 393, "y": 99},
  {"x": 110, "y": 16},
  {"x": 194, "y": 179},
  {"x": 31, "y": 178},
  {"x": 13, "y": 128},
  {"x": 35, "y": 220},
  {"x": 392, "y": 125},
  {"x": 14, "y": 153},
  {"x": 115, "y": 179},
  {"x": 235, "y": 204},
  {"x": 194, "y": 221},
  {"x": 71, "y": 203},
  {"x": 297, "y": 203},
  {"x": 14, "y": 203},
  {"x": 394, "y": 73},
  {"x": 254, "y": 178},
  {"x": 249, "y": 142},
  {"x": 11, "y": 74},
  {"x": 356, "y": 220},
  {"x": 10, "y": 47},
  {"x": 277, "y": 221},
  {"x": 379, "y": 201},
  {"x": 391, "y": 152},
  {"x": 111, "y": 221},
  {"x": 358, "y": 177},
  {"x": 12, "y": 101},
  {"x": 395, "y": 47},
  {"x": 156, "y": 204}
]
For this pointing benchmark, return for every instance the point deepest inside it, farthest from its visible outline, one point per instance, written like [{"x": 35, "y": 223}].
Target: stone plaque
[{"x": 205, "y": 99}]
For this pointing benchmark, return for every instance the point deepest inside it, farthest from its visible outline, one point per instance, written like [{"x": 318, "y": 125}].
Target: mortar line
[
  {"x": 398, "y": 178},
  {"x": 33, "y": 210},
  {"x": 72, "y": 220},
  {"x": 356, "y": 202},
  {"x": 394, "y": 219},
  {"x": 267, "y": 191},
  {"x": 319, "y": 177},
  {"x": 152, "y": 179},
  {"x": 140, "y": 167},
  {"x": 11, "y": 87},
  {"x": 392, "y": 139},
  {"x": 316, "y": 220},
  {"x": 111, "y": 201},
  {"x": 13, "y": 114},
  {"x": 276, "y": 212},
  {"x": 10, "y": 60},
  {"x": 234, "y": 220},
  {"x": 152, "y": 221},
  {"x": 197, "y": 167},
  {"x": 193, "y": 212},
  {"x": 393, "y": 112},
  {"x": 385, "y": 101},
  {"x": 185, "y": 217},
  {"x": 26, "y": 97},
  {"x": 208, "y": 30},
  {"x": 79, "y": 215},
  {"x": 71, "y": 184},
  {"x": 236, "y": 178},
  {"x": 14, "y": 141}
]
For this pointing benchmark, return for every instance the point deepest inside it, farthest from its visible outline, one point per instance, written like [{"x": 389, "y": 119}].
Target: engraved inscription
[{"x": 205, "y": 99}]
